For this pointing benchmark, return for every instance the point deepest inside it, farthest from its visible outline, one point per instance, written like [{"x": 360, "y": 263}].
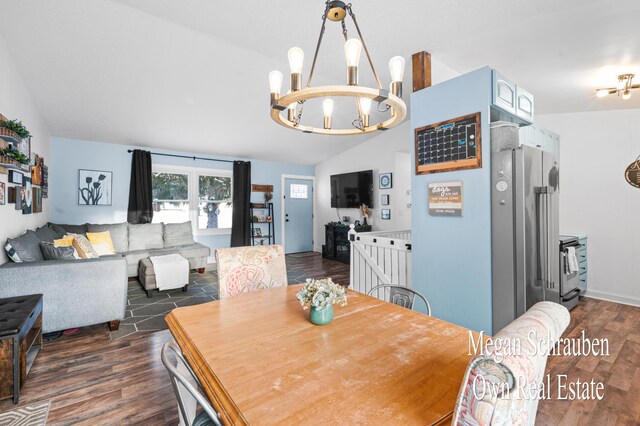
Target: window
[
  {"x": 299, "y": 191},
  {"x": 214, "y": 202},
  {"x": 202, "y": 196},
  {"x": 170, "y": 197}
]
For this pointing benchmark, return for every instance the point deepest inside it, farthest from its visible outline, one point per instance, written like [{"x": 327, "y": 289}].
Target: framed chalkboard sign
[{"x": 449, "y": 145}]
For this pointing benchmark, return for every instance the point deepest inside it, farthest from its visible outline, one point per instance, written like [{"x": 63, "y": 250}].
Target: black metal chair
[
  {"x": 208, "y": 416},
  {"x": 399, "y": 295}
]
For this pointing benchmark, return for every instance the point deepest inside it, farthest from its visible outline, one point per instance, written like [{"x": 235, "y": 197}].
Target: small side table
[{"x": 20, "y": 341}]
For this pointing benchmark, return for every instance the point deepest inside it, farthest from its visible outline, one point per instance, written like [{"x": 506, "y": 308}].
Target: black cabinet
[{"x": 337, "y": 246}]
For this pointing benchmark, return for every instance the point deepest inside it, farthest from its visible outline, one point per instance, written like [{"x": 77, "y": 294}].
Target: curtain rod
[{"x": 186, "y": 156}]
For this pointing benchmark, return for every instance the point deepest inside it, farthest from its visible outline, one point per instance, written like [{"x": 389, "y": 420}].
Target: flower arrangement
[
  {"x": 364, "y": 210},
  {"x": 320, "y": 294}
]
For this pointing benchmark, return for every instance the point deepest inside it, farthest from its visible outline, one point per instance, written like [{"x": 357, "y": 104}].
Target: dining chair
[
  {"x": 493, "y": 390},
  {"x": 246, "y": 269},
  {"x": 179, "y": 381},
  {"x": 399, "y": 295}
]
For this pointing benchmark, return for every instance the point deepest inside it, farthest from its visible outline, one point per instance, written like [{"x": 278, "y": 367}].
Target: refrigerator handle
[
  {"x": 543, "y": 235},
  {"x": 550, "y": 239}
]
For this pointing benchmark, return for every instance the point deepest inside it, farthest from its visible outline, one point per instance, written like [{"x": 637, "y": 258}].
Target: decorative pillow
[
  {"x": 67, "y": 241},
  {"x": 83, "y": 247},
  {"x": 101, "y": 243},
  {"x": 145, "y": 236},
  {"x": 46, "y": 234},
  {"x": 25, "y": 248},
  {"x": 119, "y": 233},
  {"x": 60, "y": 232},
  {"x": 74, "y": 229},
  {"x": 51, "y": 252},
  {"x": 178, "y": 234}
]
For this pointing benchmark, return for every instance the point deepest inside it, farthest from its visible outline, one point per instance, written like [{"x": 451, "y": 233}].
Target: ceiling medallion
[
  {"x": 285, "y": 111},
  {"x": 624, "y": 87}
]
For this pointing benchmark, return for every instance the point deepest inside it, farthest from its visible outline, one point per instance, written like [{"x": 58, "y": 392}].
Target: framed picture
[
  {"x": 385, "y": 181},
  {"x": 385, "y": 214},
  {"x": 26, "y": 195},
  {"x": 37, "y": 200},
  {"x": 19, "y": 197},
  {"x": 94, "y": 187},
  {"x": 11, "y": 194},
  {"x": 2, "y": 195},
  {"x": 15, "y": 177},
  {"x": 45, "y": 181},
  {"x": 385, "y": 199},
  {"x": 257, "y": 232}
]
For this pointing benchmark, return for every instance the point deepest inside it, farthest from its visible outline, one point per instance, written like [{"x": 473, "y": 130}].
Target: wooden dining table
[{"x": 261, "y": 362}]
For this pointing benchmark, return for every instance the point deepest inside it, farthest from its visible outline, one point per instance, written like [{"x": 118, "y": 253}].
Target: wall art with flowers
[{"x": 94, "y": 187}]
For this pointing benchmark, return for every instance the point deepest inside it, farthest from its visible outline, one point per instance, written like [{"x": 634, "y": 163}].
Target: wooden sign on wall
[
  {"x": 261, "y": 188},
  {"x": 445, "y": 199},
  {"x": 449, "y": 145}
]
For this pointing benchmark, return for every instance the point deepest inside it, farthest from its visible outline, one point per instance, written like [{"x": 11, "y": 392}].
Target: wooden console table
[{"x": 20, "y": 341}]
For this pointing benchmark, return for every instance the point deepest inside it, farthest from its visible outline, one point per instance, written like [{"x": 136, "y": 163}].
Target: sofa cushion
[
  {"x": 119, "y": 234},
  {"x": 25, "y": 248},
  {"x": 73, "y": 229},
  {"x": 46, "y": 234},
  {"x": 101, "y": 243},
  {"x": 51, "y": 252},
  {"x": 60, "y": 232},
  {"x": 177, "y": 234},
  {"x": 145, "y": 236},
  {"x": 190, "y": 251}
]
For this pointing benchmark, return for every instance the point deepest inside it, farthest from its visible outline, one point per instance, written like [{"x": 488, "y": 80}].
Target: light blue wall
[
  {"x": 69, "y": 155},
  {"x": 452, "y": 255}
]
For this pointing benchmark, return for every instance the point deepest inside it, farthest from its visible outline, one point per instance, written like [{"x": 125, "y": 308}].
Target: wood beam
[{"x": 421, "y": 70}]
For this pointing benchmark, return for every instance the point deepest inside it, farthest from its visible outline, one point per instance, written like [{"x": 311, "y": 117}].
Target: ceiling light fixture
[
  {"x": 388, "y": 100},
  {"x": 624, "y": 87}
]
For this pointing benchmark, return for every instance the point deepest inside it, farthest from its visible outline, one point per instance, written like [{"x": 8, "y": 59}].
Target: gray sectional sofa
[{"x": 83, "y": 292}]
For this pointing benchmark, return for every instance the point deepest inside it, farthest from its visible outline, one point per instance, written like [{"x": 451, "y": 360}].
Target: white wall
[
  {"x": 16, "y": 103},
  {"x": 595, "y": 199},
  {"x": 388, "y": 152}
]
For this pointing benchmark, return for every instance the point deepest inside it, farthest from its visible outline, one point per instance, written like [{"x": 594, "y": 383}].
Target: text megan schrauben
[{"x": 523, "y": 385}]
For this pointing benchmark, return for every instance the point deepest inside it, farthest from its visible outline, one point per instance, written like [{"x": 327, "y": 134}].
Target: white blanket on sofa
[{"x": 172, "y": 271}]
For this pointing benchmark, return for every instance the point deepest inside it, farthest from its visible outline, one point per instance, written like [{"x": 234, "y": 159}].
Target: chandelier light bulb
[
  {"x": 275, "y": 81},
  {"x": 365, "y": 106},
  {"x": 396, "y": 68},
  {"x": 327, "y": 108},
  {"x": 352, "y": 51},
  {"x": 626, "y": 95},
  {"x": 602, "y": 93},
  {"x": 296, "y": 59}
]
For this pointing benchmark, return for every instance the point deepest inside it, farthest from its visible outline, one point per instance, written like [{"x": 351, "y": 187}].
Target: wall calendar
[{"x": 449, "y": 145}]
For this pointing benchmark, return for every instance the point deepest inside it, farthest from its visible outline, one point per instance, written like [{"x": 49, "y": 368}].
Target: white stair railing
[{"x": 382, "y": 257}]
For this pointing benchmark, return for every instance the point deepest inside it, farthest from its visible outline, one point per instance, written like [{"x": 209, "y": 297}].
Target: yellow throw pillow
[
  {"x": 83, "y": 247},
  {"x": 101, "y": 242},
  {"x": 65, "y": 241}
]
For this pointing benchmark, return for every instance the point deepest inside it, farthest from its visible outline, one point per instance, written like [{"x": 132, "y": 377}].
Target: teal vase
[{"x": 322, "y": 317}]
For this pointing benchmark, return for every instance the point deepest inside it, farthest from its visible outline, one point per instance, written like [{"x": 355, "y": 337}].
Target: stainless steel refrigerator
[{"x": 524, "y": 225}]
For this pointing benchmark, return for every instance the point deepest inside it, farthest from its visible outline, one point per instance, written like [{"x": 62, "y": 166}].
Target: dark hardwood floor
[{"x": 94, "y": 381}]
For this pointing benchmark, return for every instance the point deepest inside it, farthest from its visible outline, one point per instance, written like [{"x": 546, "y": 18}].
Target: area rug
[
  {"x": 147, "y": 314},
  {"x": 30, "y": 415}
]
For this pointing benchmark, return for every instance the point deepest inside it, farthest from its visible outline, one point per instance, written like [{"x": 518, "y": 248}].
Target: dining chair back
[
  {"x": 192, "y": 386},
  {"x": 399, "y": 295},
  {"x": 494, "y": 387},
  {"x": 245, "y": 269}
]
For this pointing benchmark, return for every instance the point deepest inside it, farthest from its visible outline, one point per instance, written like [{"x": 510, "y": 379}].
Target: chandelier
[
  {"x": 624, "y": 87},
  {"x": 388, "y": 102}
]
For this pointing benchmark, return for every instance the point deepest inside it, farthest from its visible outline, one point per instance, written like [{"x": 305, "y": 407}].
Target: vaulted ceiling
[{"x": 192, "y": 75}]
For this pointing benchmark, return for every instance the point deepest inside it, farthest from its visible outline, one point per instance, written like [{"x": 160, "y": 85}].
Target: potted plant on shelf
[
  {"x": 14, "y": 129},
  {"x": 319, "y": 296},
  {"x": 13, "y": 157}
]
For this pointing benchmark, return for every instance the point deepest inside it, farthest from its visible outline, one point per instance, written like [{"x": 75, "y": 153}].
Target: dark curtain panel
[
  {"x": 140, "y": 190},
  {"x": 241, "y": 225}
]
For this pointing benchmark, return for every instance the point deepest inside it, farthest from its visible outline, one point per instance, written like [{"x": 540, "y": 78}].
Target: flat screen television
[{"x": 351, "y": 190}]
